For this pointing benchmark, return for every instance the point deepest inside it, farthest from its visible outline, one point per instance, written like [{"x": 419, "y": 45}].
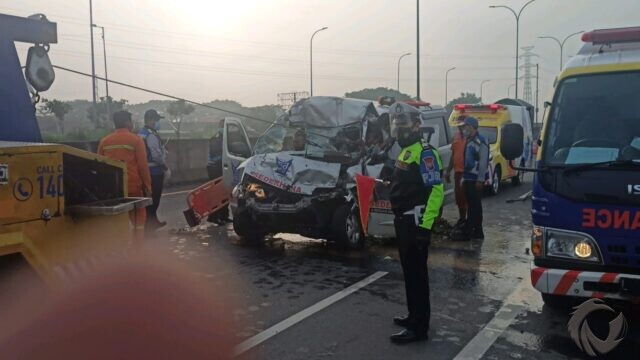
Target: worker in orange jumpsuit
[{"x": 124, "y": 145}]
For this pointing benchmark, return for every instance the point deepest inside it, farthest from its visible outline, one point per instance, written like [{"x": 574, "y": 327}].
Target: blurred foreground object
[{"x": 147, "y": 308}]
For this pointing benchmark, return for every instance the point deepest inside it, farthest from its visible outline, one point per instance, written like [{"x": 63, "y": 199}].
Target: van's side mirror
[
  {"x": 511, "y": 141},
  {"x": 239, "y": 148}
]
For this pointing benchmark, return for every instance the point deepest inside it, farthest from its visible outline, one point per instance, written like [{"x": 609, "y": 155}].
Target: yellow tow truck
[{"x": 62, "y": 210}]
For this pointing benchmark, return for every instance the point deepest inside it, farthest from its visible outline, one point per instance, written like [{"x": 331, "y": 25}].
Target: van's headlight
[{"x": 571, "y": 245}]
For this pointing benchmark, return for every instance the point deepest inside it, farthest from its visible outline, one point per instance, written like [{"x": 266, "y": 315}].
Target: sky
[{"x": 251, "y": 50}]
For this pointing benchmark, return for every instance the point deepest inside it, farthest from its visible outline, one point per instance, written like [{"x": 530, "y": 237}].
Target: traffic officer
[
  {"x": 156, "y": 158},
  {"x": 416, "y": 198},
  {"x": 476, "y": 163},
  {"x": 124, "y": 145}
]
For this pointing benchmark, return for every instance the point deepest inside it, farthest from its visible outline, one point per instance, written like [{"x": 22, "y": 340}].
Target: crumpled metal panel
[
  {"x": 292, "y": 173},
  {"x": 329, "y": 111}
]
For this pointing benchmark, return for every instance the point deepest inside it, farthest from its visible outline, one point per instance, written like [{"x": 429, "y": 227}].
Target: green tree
[
  {"x": 177, "y": 110},
  {"x": 59, "y": 109},
  {"x": 104, "y": 108},
  {"x": 464, "y": 98},
  {"x": 374, "y": 94}
]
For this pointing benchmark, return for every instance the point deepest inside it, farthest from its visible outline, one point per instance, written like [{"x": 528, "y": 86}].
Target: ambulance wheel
[
  {"x": 346, "y": 229},
  {"x": 518, "y": 179},
  {"x": 494, "y": 189},
  {"x": 556, "y": 301},
  {"x": 246, "y": 228}
]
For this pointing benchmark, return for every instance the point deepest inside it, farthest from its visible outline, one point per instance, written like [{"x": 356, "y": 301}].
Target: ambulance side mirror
[{"x": 511, "y": 141}]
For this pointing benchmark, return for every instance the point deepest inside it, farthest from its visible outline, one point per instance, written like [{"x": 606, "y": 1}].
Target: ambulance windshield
[
  {"x": 312, "y": 141},
  {"x": 594, "y": 119}
]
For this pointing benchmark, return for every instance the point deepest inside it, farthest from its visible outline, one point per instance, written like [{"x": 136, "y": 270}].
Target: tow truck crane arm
[{"x": 17, "y": 116}]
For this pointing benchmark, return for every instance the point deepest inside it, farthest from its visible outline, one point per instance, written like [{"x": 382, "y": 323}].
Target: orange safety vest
[{"x": 123, "y": 145}]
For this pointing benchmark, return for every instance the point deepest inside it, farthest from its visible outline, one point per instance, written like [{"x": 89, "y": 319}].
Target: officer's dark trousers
[
  {"x": 157, "y": 184},
  {"x": 474, "y": 201},
  {"x": 413, "y": 256}
]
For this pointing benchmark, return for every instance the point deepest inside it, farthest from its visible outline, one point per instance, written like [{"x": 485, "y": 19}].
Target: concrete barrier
[{"x": 187, "y": 159}]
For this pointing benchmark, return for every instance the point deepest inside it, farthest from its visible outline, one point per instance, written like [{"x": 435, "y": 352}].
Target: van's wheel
[
  {"x": 247, "y": 228},
  {"x": 346, "y": 229},
  {"x": 494, "y": 189}
]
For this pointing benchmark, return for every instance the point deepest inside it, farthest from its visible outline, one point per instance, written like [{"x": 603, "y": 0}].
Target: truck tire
[
  {"x": 248, "y": 229},
  {"x": 557, "y": 301},
  {"x": 346, "y": 229},
  {"x": 494, "y": 189}
]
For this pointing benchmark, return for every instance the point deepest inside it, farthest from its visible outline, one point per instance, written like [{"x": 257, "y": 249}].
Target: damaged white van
[{"x": 300, "y": 177}]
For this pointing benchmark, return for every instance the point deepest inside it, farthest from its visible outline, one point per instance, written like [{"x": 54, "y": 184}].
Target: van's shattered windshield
[
  {"x": 312, "y": 141},
  {"x": 595, "y": 119}
]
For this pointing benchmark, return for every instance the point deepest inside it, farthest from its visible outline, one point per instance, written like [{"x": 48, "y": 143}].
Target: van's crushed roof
[{"x": 329, "y": 111}]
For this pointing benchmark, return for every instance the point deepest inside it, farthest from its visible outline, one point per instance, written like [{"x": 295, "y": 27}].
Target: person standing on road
[
  {"x": 124, "y": 145},
  {"x": 214, "y": 163},
  {"x": 457, "y": 165},
  {"x": 214, "y": 170},
  {"x": 156, "y": 158},
  {"x": 476, "y": 163},
  {"x": 416, "y": 198}
]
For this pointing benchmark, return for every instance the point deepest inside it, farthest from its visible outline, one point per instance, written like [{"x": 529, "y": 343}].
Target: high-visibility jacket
[
  {"x": 408, "y": 188},
  {"x": 156, "y": 153},
  {"x": 126, "y": 146}
]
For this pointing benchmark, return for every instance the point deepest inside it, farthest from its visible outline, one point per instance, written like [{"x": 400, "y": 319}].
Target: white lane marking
[
  {"x": 515, "y": 303},
  {"x": 296, "y": 318},
  {"x": 176, "y": 193}
]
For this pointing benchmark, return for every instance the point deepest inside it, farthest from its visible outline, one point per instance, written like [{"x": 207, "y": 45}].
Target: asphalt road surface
[{"x": 297, "y": 298}]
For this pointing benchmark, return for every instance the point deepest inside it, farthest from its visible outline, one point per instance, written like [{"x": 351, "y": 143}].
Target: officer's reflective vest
[{"x": 430, "y": 165}]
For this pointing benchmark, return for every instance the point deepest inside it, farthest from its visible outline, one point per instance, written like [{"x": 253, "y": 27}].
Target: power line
[
  {"x": 163, "y": 94},
  {"x": 141, "y": 30},
  {"x": 184, "y": 66}
]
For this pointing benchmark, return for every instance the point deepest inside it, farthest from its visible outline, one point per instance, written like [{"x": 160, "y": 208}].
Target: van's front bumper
[{"x": 589, "y": 284}]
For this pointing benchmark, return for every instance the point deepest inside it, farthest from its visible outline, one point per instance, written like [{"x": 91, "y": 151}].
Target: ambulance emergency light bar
[
  {"x": 493, "y": 108},
  {"x": 612, "y": 36},
  {"x": 417, "y": 103},
  {"x": 390, "y": 100}
]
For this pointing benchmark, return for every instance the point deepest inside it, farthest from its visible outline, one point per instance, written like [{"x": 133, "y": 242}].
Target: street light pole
[
  {"x": 407, "y": 54},
  {"x": 509, "y": 90},
  {"x": 517, "y": 15},
  {"x": 446, "y": 86},
  {"x": 418, "y": 49},
  {"x": 106, "y": 75},
  {"x": 537, "y": 90},
  {"x": 481, "y": 85},
  {"x": 561, "y": 44},
  {"x": 311, "y": 57},
  {"x": 93, "y": 65}
]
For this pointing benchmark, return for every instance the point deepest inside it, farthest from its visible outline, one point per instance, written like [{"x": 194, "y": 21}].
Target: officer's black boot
[
  {"x": 403, "y": 321},
  {"x": 410, "y": 335}
]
